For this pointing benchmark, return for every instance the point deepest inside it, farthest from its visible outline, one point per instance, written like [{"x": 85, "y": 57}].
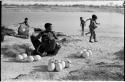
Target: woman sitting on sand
[
  {"x": 23, "y": 29},
  {"x": 47, "y": 45}
]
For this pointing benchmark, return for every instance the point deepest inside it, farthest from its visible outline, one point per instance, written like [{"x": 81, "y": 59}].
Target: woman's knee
[{"x": 32, "y": 37}]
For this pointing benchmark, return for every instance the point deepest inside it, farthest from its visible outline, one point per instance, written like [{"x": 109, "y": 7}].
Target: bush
[
  {"x": 7, "y": 31},
  {"x": 13, "y": 50},
  {"x": 120, "y": 54}
]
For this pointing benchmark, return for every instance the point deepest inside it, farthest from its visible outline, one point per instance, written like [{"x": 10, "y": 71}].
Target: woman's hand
[{"x": 35, "y": 34}]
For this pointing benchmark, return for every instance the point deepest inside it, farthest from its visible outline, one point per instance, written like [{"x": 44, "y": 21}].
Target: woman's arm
[
  {"x": 97, "y": 23},
  {"x": 38, "y": 36},
  {"x": 54, "y": 35},
  {"x": 27, "y": 24},
  {"x": 21, "y": 23},
  {"x": 88, "y": 19},
  {"x": 94, "y": 24}
]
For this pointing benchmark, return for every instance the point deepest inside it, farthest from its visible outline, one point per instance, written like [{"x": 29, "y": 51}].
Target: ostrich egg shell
[
  {"x": 68, "y": 63},
  {"x": 90, "y": 52},
  {"x": 63, "y": 64},
  {"x": 85, "y": 54},
  {"x": 51, "y": 67},
  {"x": 30, "y": 58},
  {"x": 24, "y": 55},
  {"x": 79, "y": 53},
  {"x": 37, "y": 57},
  {"x": 59, "y": 66},
  {"x": 19, "y": 57}
]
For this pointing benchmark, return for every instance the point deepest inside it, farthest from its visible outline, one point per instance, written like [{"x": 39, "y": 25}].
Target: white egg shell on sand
[
  {"x": 78, "y": 54},
  {"x": 68, "y": 63},
  {"x": 19, "y": 57},
  {"x": 24, "y": 55},
  {"x": 63, "y": 64},
  {"x": 58, "y": 66},
  {"x": 85, "y": 54},
  {"x": 37, "y": 57},
  {"x": 30, "y": 59},
  {"x": 90, "y": 52},
  {"x": 51, "y": 66}
]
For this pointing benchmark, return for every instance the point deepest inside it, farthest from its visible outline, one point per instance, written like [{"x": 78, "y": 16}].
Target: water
[
  {"x": 68, "y": 22},
  {"x": 66, "y": 2}
]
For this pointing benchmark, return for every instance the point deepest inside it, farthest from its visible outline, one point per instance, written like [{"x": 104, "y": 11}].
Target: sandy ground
[
  {"x": 103, "y": 51},
  {"x": 102, "y": 65}
]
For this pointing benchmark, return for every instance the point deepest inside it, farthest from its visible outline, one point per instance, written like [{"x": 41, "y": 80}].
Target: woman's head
[
  {"x": 48, "y": 26},
  {"x": 26, "y": 19},
  {"x": 94, "y": 17},
  {"x": 80, "y": 18}
]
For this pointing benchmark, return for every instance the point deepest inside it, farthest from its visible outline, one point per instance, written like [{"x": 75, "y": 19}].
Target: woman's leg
[
  {"x": 55, "y": 51},
  {"x": 51, "y": 46},
  {"x": 41, "y": 49},
  {"x": 91, "y": 36},
  {"x": 88, "y": 32},
  {"x": 35, "y": 41},
  {"x": 82, "y": 30},
  {"x": 94, "y": 36}
]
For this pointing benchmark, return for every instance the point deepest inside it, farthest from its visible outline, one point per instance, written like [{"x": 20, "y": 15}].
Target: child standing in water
[
  {"x": 92, "y": 26},
  {"x": 82, "y": 24}
]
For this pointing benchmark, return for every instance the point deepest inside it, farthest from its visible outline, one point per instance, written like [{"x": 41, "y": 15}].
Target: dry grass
[
  {"x": 100, "y": 71},
  {"x": 101, "y": 67},
  {"x": 7, "y": 31},
  {"x": 13, "y": 50},
  {"x": 96, "y": 75},
  {"x": 103, "y": 72},
  {"x": 120, "y": 54}
]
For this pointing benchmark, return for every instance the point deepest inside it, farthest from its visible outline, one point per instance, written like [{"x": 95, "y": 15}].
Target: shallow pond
[{"x": 68, "y": 22}]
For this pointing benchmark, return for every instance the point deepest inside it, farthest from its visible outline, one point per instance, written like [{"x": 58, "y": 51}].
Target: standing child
[
  {"x": 82, "y": 24},
  {"x": 89, "y": 26},
  {"x": 92, "y": 26}
]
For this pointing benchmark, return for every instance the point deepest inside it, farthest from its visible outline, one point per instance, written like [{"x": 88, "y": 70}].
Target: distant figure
[
  {"x": 82, "y": 24},
  {"x": 23, "y": 29},
  {"x": 48, "y": 42},
  {"x": 2, "y": 37},
  {"x": 92, "y": 26},
  {"x": 2, "y": 33}
]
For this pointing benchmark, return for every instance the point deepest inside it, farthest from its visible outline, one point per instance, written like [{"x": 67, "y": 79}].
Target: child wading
[
  {"x": 82, "y": 24},
  {"x": 23, "y": 29},
  {"x": 47, "y": 44},
  {"x": 92, "y": 26}
]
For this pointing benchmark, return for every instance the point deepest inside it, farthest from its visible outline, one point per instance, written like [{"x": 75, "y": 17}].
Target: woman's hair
[
  {"x": 80, "y": 18},
  {"x": 37, "y": 29},
  {"x": 26, "y": 18},
  {"x": 94, "y": 17},
  {"x": 47, "y": 25}
]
